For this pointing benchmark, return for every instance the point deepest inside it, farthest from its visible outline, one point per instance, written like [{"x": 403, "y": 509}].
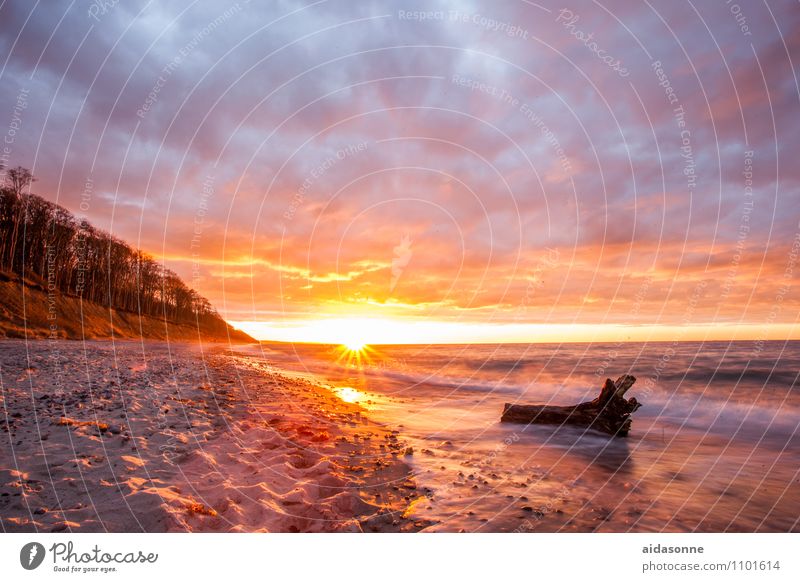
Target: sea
[{"x": 714, "y": 447}]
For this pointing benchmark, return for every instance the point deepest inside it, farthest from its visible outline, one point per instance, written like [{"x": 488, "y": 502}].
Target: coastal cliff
[{"x": 27, "y": 310}]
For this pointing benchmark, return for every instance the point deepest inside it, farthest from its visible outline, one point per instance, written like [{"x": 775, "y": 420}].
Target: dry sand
[{"x": 150, "y": 436}]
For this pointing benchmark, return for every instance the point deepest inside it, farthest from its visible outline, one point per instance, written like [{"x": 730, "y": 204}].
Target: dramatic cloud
[{"x": 473, "y": 161}]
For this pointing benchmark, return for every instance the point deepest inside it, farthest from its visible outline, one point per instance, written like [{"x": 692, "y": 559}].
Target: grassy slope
[{"x": 83, "y": 320}]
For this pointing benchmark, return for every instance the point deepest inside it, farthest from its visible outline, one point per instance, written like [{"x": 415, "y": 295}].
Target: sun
[
  {"x": 354, "y": 345},
  {"x": 353, "y": 349}
]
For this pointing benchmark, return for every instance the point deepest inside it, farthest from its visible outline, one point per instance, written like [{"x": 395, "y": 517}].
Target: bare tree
[{"x": 19, "y": 179}]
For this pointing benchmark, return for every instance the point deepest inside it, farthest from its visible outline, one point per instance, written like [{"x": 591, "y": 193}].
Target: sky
[{"x": 440, "y": 171}]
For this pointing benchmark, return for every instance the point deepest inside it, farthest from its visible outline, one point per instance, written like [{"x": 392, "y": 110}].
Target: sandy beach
[{"x": 151, "y": 436}]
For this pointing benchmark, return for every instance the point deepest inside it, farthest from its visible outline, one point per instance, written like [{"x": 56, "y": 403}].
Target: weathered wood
[{"x": 610, "y": 412}]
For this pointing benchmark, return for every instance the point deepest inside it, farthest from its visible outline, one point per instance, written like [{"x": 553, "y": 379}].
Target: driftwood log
[{"x": 610, "y": 412}]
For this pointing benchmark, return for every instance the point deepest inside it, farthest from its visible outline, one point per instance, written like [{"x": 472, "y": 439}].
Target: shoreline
[
  {"x": 136, "y": 436},
  {"x": 132, "y": 436}
]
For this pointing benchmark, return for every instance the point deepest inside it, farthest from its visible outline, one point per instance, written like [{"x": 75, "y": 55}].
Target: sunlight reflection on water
[{"x": 350, "y": 395}]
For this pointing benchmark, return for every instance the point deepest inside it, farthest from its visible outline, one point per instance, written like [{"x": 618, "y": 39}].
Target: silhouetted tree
[{"x": 44, "y": 239}]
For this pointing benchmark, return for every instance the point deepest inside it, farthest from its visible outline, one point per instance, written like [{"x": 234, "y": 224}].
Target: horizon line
[{"x": 387, "y": 331}]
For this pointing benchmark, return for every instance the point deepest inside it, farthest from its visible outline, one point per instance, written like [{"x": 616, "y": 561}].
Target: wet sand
[
  {"x": 714, "y": 447},
  {"x": 150, "y": 436}
]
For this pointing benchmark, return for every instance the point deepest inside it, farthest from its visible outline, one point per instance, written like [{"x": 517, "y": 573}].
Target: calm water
[{"x": 715, "y": 446}]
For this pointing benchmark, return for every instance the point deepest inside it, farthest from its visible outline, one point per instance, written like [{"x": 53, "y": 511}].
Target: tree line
[{"x": 38, "y": 237}]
